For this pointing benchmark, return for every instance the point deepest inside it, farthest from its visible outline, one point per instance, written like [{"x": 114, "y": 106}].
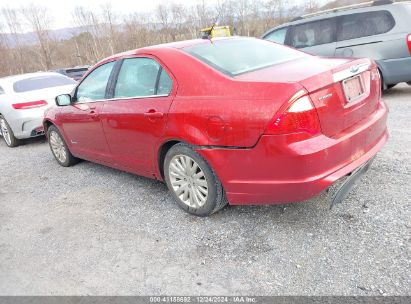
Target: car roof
[
  {"x": 172, "y": 45},
  {"x": 339, "y": 12},
  {"x": 14, "y": 78}
]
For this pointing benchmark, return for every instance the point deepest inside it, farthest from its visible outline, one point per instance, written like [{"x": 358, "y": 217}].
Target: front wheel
[
  {"x": 192, "y": 181},
  {"x": 7, "y": 133},
  {"x": 59, "y": 148}
]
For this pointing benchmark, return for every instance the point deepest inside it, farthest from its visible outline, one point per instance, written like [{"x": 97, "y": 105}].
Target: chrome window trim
[
  {"x": 137, "y": 97},
  {"x": 124, "y": 98}
]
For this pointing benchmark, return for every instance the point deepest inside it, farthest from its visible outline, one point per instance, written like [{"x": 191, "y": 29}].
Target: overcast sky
[{"x": 62, "y": 9}]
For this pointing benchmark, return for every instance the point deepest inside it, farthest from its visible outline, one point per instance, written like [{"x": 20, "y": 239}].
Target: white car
[{"x": 23, "y": 100}]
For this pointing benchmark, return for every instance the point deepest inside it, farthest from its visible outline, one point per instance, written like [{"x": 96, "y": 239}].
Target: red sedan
[{"x": 236, "y": 120}]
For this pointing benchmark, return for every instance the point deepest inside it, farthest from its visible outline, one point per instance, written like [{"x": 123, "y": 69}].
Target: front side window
[
  {"x": 1, "y": 91},
  {"x": 41, "y": 82},
  {"x": 277, "y": 35},
  {"x": 94, "y": 86},
  {"x": 313, "y": 33},
  {"x": 365, "y": 24},
  {"x": 242, "y": 55},
  {"x": 140, "y": 77}
]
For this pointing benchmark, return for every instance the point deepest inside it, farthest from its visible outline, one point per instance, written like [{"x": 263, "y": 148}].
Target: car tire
[
  {"x": 192, "y": 182},
  {"x": 59, "y": 148},
  {"x": 7, "y": 133}
]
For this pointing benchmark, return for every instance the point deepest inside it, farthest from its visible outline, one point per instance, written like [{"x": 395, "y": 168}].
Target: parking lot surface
[{"x": 92, "y": 230}]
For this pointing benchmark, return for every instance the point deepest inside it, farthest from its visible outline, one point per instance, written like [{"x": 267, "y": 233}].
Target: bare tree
[
  {"x": 88, "y": 21},
  {"x": 276, "y": 11},
  {"x": 39, "y": 19},
  {"x": 109, "y": 26},
  {"x": 12, "y": 19},
  {"x": 311, "y": 6},
  {"x": 96, "y": 35},
  {"x": 137, "y": 32},
  {"x": 164, "y": 17},
  {"x": 179, "y": 17}
]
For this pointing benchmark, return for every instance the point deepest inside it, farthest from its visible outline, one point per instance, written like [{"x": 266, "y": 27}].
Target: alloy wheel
[
  {"x": 5, "y": 131},
  {"x": 58, "y": 147},
  {"x": 188, "y": 181}
]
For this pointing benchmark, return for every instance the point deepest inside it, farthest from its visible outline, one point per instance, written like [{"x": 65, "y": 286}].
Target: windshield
[
  {"x": 238, "y": 56},
  {"x": 41, "y": 82}
]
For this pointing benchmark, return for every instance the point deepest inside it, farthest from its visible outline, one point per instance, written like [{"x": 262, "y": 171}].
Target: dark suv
[
  {"x": 380, "y": 30},
  {"x": 75, "y": 73}
]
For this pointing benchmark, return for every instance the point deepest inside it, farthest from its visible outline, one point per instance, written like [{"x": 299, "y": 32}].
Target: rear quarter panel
[{"x": 228, "y": 120}]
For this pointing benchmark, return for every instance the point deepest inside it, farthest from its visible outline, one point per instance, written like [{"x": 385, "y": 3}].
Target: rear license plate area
[{"x": 353, "y": 88}]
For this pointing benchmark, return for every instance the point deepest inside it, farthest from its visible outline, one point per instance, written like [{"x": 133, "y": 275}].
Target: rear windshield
[
  {"x": 238, "y": 56},
  {"x": 41, "y": 82}
]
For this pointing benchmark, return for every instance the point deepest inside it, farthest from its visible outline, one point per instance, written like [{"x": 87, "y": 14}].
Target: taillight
[
  {"x": 298, "y": 116},
  {"x": 29, "y": 105},
  {"x": 409, "y": 42}
]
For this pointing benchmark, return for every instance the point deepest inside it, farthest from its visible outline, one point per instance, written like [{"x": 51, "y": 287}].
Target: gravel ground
[{"x": 92, "y": 230}]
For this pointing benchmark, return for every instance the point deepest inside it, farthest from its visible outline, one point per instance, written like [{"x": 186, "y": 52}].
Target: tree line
[{"x": 101, "y": 33}]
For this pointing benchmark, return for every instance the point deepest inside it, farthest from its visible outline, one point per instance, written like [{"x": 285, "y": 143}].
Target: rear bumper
[
  {"x": 396, "y": 70},
  {"x": 293, "y": 167},
  {"x": 27, "y": 123}
]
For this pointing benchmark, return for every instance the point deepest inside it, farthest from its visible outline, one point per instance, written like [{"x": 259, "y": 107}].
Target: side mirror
[{"x": 63, "y": 100}]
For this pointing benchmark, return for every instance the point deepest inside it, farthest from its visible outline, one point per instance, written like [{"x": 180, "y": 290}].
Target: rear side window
[
  {"x": 313, "y": 33},
  {"x": 365, "y": 24},
  {"x": 41, "y": 82},
  {"x": 164, "y": 84},
  {"x": 1, "y": 91},
  {"x": 141, "y": 77},
  {"x": 277, "y": 35}
]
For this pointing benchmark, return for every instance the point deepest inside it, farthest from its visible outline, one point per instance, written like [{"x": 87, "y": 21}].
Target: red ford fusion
[{"x": 230, "y": 120}]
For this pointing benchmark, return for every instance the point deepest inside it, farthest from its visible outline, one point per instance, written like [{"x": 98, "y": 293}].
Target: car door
[
  {"x": 81, "y": 122},
  {"x": 315, "y": 37},
  {"x": 135, "y": 117}
]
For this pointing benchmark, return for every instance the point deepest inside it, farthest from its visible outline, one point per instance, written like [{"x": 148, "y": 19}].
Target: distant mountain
[{"x": 30, "y": 38}]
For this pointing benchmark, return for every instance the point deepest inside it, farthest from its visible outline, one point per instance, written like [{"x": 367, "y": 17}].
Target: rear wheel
[
  {"x": 384, "y": 86},
  {"x": 192, "y": 181},
  {"x": 59, "y": 148},
  {"x": 8, "y": 134}
]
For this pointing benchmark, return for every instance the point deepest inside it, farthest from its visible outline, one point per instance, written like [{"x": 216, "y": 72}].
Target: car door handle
[
  {"x": 93, "y": 114},
  {"x": 153, "y": 114}
]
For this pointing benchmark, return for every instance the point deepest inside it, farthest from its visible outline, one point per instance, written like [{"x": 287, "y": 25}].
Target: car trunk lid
[
  {"x": 350, "y": 92},
  {"x": 343, "y": 91}
]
